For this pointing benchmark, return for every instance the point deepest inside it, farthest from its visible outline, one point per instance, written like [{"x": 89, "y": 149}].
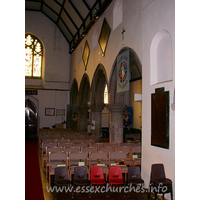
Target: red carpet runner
[{"x": 33, "y": 184}]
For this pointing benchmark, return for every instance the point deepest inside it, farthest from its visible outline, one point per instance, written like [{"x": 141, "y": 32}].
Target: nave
[{"x": 60, "y": 139}]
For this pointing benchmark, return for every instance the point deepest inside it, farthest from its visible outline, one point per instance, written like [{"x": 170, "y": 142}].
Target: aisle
[{"x": 33, "y": 184}]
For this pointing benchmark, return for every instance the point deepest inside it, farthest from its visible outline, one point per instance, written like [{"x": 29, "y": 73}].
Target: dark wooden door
[{"x": 31, "y": 118}]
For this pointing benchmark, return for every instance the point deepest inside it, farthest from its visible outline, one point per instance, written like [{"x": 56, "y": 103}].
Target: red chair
[
  {"x": 97, "y": 176},
  {"x": 115, "y": 177}
]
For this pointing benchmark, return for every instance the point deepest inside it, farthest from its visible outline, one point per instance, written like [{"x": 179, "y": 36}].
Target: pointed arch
[
  {"x": 84, "y": 90},
  {"x": 135, "y": 70},
  {"x": 119, "y": 101},
  {"x": 83, "y": 99},
  {"x": 31, "y": 119},
  {"x": 74, "y": 93},
  {"x": 98, "y": 85},
  {"x": 34, "y": 56},
  {"x": 73, "y": 109}
]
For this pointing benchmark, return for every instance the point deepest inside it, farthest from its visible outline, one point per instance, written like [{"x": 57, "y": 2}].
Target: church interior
[{"x": 103, "y": 70}]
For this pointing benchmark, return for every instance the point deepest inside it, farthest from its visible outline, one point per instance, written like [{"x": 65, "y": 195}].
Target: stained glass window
[
  {"x": 106, "y": 95},
  {"x": 33, "y": 56}
]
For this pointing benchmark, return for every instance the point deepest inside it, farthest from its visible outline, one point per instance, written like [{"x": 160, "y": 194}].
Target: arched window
[
  {"x": 106, "y": 94},
  {"x": 33, "y": 56}
]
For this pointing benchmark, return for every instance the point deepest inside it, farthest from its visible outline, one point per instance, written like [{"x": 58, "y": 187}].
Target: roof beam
[
  {"x": 49, "y": 8},
  {"x": 74, "y": 7},
  {"x": 35, "y": 0},
  {"x": 61, "y": 9},
  {"x": 39, "y": 1},
  {"x": 42, "y": 2},
  {"x": 99, "y": 12},
  {"x": 67, "y": 27},
  {"x": 72, "y": 38},
  {"x": 70, "y": 19},
  {"x": 58, "y": 27},
  {"x": 99, "y": 3},
  {"x": 58, "y": 2},
  {"x": 58, "y": 17},
  {"x": 88, "y": 7}
]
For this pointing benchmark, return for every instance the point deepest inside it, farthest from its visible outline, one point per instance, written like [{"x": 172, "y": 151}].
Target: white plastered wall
[
  {"x": 56, "y": 70},
  {"x": 56, "y": 56},
  {"x": 132, "y": 38},
  {"x": 141, "y": 19},
  {"x": 156, "y": 17}
]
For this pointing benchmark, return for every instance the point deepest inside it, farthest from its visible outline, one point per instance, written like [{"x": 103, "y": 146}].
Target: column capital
[
  {"x": 116, "y": 108},
  {"x": 97, "y": 108},
  {"x": 83, "y": 107}
]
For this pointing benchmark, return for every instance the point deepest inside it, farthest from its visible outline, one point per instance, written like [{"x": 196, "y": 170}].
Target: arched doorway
[
  {"x": 83, "y": 99},
  {"x": 31, "y": 120},
  {"x": 97, "y": 99},
  {"x": 118, "y": 102}
]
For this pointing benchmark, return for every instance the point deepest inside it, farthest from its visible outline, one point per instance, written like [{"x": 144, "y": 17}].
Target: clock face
[{"x": 104, "y": 35}]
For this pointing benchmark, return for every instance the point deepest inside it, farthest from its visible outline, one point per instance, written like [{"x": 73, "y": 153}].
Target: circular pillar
[
  {"x": 97, "y": 118},
  {"x": 83, "y": 118},
  {"x": 116, "y": 124}
]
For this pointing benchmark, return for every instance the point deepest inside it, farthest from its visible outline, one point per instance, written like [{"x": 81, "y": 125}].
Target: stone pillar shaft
[
  {"x": 97, "y": 117},
  {"x": 116, "y": 126},
  {"x": 83, "y": 118}
]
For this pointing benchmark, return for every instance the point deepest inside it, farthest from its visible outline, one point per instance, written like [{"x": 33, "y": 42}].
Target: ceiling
[{"x": 74, "y": 18}]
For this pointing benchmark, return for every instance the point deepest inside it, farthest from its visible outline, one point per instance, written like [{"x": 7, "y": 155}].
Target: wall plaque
[
  {"x": 86, "y": 54},
  {"x": 104, "y": 35},
  {"x": 160, "y": 118},
  {"x": 49, "y": 111}
]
